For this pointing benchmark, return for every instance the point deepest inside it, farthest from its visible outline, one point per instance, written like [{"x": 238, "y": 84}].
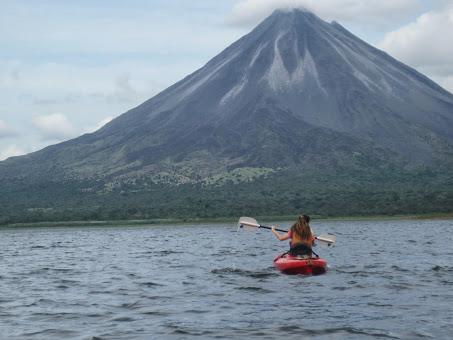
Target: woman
[{"x": 301, "y": 236}]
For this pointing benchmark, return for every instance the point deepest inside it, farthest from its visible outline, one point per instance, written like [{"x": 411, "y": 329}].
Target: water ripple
[{"x": 138, "y": 283}]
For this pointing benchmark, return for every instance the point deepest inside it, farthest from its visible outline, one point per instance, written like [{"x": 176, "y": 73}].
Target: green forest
[{"x": 420, "y": 191}]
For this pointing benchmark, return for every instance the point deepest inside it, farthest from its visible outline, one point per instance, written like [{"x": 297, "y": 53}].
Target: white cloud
[
  {"x": 376, "y": 12},
  {"x": 426, "y": 42},
  {"x": 10, "y": 151},
  {"x": 426, "y": 45},
  {"x": 6, "y": 130},
  {"x": 54, "y": 126}
]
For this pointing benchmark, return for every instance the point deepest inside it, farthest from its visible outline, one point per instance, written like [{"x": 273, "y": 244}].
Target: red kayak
[{"x": 294, "y": 265}]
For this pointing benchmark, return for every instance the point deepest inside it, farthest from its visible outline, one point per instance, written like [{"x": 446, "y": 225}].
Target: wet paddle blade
[
  {"x": 328, "y": 239},
  {"x": 248, "y": 222}
]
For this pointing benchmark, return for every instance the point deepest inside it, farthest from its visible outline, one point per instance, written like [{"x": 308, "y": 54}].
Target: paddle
[{"x": 251, "y": 222}]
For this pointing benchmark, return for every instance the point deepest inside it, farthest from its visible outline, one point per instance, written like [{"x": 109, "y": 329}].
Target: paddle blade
[
  {"x": 248, "y": 222},
  {"x": 328, "y": 239}
]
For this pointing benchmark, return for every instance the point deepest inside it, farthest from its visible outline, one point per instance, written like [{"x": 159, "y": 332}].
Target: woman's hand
[{"x": 277, "y": 234}]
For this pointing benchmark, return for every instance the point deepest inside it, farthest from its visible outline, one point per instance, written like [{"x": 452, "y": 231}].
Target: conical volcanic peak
[{"x": 317, "y": 72}]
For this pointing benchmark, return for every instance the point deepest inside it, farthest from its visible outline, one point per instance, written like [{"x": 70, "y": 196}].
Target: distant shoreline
[{"x": 220, "y": 220}]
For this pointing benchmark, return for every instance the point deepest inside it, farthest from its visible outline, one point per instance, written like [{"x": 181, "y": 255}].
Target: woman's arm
[{"x": 279, "y": 236}]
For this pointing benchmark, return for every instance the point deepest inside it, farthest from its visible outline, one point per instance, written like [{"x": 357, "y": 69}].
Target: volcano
[{"x": 297, "y": 111}]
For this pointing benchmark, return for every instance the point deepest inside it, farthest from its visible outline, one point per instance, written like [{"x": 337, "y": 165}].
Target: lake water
[{"x": 386, "y": 279}]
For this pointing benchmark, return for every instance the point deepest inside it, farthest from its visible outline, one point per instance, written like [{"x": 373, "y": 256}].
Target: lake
[{"x": 386, "y": 279}]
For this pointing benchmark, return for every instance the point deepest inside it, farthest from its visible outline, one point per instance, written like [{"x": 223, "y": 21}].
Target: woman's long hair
[{"x": 302, "y": 228}]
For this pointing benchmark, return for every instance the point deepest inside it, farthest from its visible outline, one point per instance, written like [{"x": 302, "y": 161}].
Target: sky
[{"x": 68, "y": 67}]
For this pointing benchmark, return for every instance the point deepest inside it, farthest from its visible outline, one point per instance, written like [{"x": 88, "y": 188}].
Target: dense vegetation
[{"x": 286, "y": 192}]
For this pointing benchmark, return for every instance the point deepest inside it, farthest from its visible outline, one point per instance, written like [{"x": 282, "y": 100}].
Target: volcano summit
[{"x": 298, "y": 114}]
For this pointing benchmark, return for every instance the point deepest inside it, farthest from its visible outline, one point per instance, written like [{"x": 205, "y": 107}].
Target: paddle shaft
[{"x": 266, "y": 227}]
